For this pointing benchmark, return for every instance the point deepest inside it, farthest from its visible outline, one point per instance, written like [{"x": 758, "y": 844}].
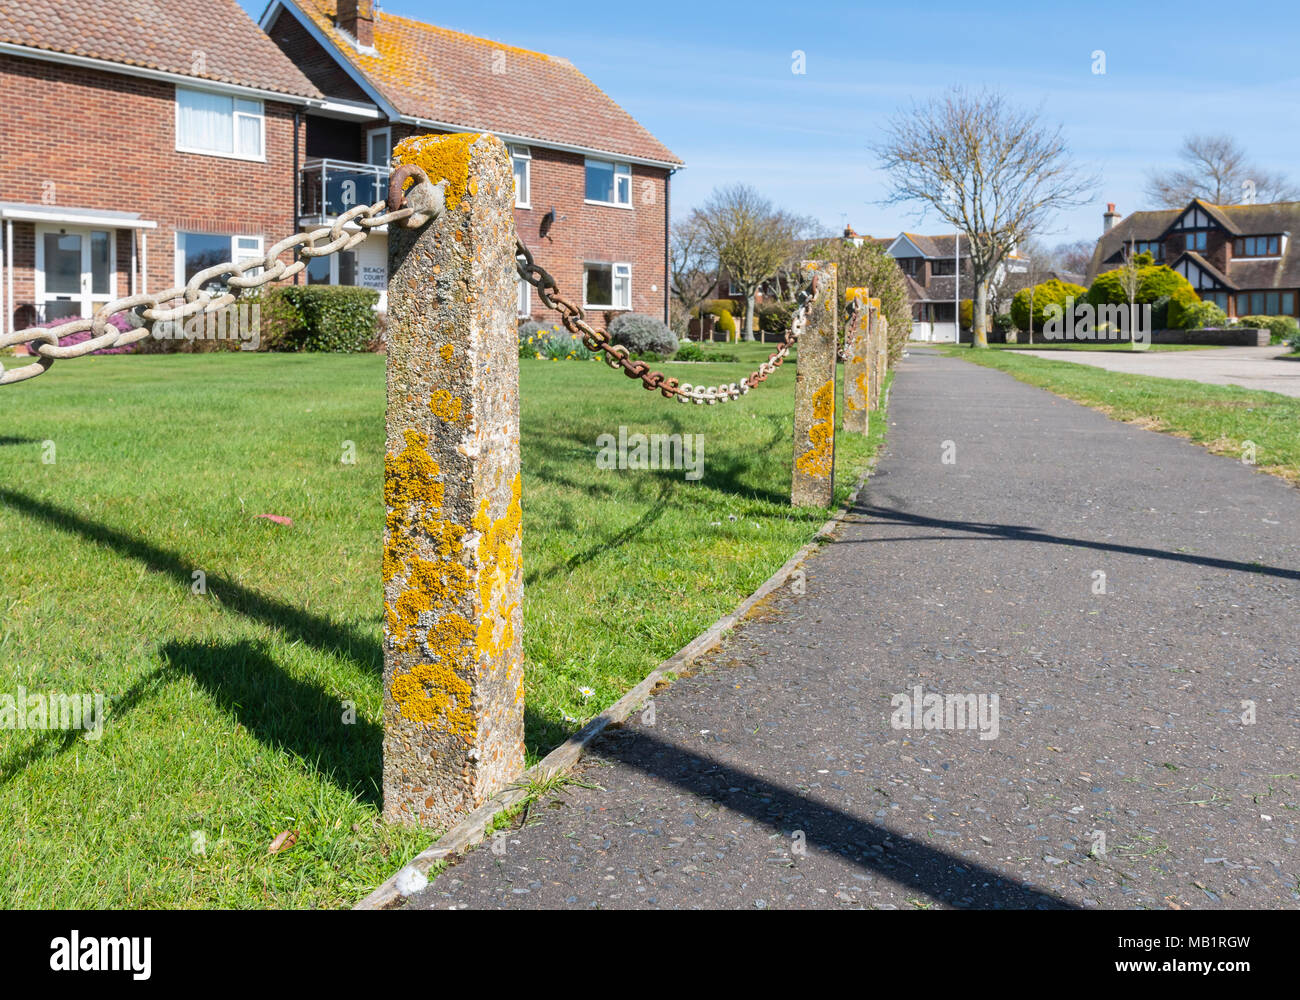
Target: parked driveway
[{"x": 1248, "y": 367}]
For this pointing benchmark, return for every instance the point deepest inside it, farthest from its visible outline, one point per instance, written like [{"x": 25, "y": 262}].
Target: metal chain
[
  {"x": 196, "y": 300},
  {"x": 616, "y": 356}
]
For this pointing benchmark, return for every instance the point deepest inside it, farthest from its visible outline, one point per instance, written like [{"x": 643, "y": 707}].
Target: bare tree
[
  {"x": 692, "y": 268},
  {"x": 1215, "y": 170},
  {"x": 750, "y": 238},
  {"x": 993, "y": 172}
]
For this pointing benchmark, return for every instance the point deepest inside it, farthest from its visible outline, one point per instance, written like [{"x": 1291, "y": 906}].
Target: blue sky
[{"x": 714, "y": 83}]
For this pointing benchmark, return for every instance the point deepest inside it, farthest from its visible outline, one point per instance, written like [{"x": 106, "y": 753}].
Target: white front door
[{"x": 74, "y": 270}]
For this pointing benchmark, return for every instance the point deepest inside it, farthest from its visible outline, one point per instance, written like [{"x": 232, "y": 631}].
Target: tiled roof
[
  {"x": 205, "y": 39},
  {"x": 935, "y": 246},
  {"x": 446, "y": 76},
  {"x": 1239, "y": 220}
]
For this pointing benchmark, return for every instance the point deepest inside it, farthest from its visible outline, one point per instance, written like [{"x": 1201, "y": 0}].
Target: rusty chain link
[
  {"x": 196, "y": 299},
  {"x": 616, "y": 356}
]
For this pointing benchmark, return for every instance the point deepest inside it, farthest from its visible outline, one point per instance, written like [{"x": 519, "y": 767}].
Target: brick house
[
  {"x": 592, "y": 184},
  {"x": 1241, "y": 257},
  {"x": 131, "y": 157}
]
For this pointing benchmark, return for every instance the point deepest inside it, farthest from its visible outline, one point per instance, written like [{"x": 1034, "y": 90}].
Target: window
[
  {"x": 219, "y": 124},
  {"x": 379, "y": 147},
  {"x": 609, "y": 183},
  {"x": 196, "y": 252},
  {"x": 1265, "y": 304},
  {"x": 1154, "y": 248},
  {"x": 1220, "y": 299},
  {"x": 1258, "y": 246},
  {"x": 942, "y": 267},
  {"x": 607, "y": 286},
  {"x": 524, "y": 306},
  {"x": 336, "y": 269},
  {"x": 522, "y": 159},
  {"x": 1195, "y": 240}
]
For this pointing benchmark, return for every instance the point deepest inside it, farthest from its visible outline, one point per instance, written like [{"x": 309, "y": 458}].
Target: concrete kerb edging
[{"x": 473, "y": 828}]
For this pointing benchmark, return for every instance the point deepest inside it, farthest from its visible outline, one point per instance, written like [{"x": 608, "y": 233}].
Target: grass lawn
[
  {"x": 225, "y": 720},
  {"x": 1220, "y": 417}
]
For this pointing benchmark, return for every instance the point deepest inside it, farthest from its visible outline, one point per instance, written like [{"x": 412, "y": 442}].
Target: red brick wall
[
  {"x": 596, "y": 233},
  {"x": 108, "y": 141}
]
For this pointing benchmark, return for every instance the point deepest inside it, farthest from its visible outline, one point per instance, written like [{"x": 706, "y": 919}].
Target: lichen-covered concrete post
[
  {"x": 873, "y": 352},
  {"x": 882, "y": 363},
  {"x": 814, "y": 393},
  {"x": 857, "y": 366},
  {"x": 453, "y": 583}
]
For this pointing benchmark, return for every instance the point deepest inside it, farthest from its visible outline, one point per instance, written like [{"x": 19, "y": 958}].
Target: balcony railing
[{"x": 330, "y": 187}]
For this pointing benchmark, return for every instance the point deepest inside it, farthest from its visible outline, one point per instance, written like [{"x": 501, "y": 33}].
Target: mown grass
[
  {"x": 1221, "y": 418},
  {"x": 227, "y": 709}
]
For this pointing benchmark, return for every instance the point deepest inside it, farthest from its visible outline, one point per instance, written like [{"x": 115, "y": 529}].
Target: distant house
[
  {"x": 591, "y": 183},
  {"x": 143, "y": 141},
  {"x": 1240, "y": 257}
]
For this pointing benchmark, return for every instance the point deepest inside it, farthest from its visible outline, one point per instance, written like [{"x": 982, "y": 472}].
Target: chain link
[
  {"x": 195, "y": 299},
  {"x": 617, "y": 357}
]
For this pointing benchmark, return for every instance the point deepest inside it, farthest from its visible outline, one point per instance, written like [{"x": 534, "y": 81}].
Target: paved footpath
[
  {"x": 772, "y": 776},
  {"x": 1247, "y": 367}
]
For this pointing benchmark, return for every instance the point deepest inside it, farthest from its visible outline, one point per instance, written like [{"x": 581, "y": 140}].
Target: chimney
[
  {"x": 357, "y": 18},
  {"x": 1110, "y": 218}
]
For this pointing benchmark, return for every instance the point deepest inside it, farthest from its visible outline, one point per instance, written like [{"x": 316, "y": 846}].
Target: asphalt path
[{"x": 1146, "y": 752}]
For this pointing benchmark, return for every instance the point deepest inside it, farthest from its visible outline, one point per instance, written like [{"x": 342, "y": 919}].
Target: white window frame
[
  {"x": 388, "y": 144},
  {"x": 617, "y": 269},
  {"x": 524, "y": 155},
  {"x": 524, "y": 299},
  {"x": 620, "y": 170},
  {"x": 236, "y": 252},
  {"x": 235, "y": 115}
]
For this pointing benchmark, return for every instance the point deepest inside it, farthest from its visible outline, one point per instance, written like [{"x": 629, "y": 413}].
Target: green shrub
[
  {"x": 720, "y": 309},
  {"x": 327, "y": 318},
  {"x": 1294, "y": 343},
  {"x": 774, "y": 317},
  {"x": 1280, "y": 328},
  {"x": 552, "y": 343},
  {"x": 640, "y": 333},
  {"x": 1002, "y": 323},
  {"x": 1049, "y": 293},
  {"x": 1187, "y": 312},
  {"x": 688, "y": 350},
  {"x": 1156, "y": 287}
]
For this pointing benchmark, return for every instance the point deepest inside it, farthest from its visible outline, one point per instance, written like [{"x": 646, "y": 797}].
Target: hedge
[
  {"x": 1280, "y": 328},
  {"x": 338, "y": 319},
  {"x": 1049, "y": 293}
]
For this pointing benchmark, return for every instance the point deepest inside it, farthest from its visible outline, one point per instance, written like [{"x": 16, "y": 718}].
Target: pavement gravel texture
[
  {"x": 1147, "y": 752},
  {"x": 1248, "y": 367}
]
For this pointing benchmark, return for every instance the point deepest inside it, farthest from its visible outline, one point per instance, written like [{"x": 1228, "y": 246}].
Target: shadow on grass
[
  {"x": 286, "y": 713},
  {"x": 319, "y": 633},
  {"x": 51, "y": 743}
]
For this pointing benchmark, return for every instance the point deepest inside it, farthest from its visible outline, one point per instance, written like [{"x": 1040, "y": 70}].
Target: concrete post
[
  {"x": 453, "y": 582},
  {"x": 814, "y": 394},
  {"x": 857, "y": 367},
  {"x": 873, "y": 352},
  {"x": 882, "y": 364}
]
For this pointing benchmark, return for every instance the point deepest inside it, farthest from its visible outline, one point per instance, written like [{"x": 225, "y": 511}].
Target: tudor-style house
[
  {"x": 142, "y": 140},
  {"x": 591, "y": 183},
  {"x": 1240, "y": 257}
]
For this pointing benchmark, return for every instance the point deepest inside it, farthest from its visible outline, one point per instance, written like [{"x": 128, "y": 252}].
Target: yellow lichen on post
[
  {"x": 452, "y": 564},
  {"x": 813, "y": 480},
  {"x": 857, "y": 371},
  {"x": 442, "y": 157}
]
